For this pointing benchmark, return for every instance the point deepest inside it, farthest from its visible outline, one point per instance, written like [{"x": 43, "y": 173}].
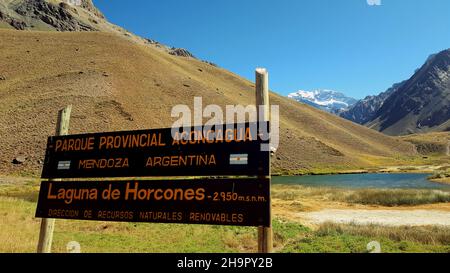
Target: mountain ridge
[
  {"x": 420, "y": 104},
  {"x": 130, "y": 84},
  {"x": 59, "y": 15},
  {"x": 364, "y": 110}
]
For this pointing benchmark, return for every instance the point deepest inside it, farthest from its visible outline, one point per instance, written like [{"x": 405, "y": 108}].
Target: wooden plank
[
  {"x": 235, "y": 202},
  {"x": 148, "y": 153},
  {"x": 48, "y": 225},
  {"x": 265, "y": 234}
]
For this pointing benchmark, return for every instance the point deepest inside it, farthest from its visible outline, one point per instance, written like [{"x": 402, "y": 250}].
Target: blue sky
[{"x": 344, "y": 45}]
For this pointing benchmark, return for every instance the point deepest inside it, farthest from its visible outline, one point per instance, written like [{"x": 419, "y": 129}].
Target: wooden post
[
  {"x": 48, "y": 225},
  {"x": 265, "y": 235}
]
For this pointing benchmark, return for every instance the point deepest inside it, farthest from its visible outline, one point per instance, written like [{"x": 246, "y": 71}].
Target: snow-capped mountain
[{"x": 327, "y": 100}]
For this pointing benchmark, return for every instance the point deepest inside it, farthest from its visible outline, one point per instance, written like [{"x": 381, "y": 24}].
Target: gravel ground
[{"x": 380, "y": 217}]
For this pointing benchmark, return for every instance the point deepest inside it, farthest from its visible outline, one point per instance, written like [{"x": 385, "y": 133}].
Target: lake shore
[
  {"x": 418, "y": 169},
  {"x": 441, "y": 180}
]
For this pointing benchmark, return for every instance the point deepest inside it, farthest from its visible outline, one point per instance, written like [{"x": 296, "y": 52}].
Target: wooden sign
[
  {"x": 237, "y": 202},
  {"x": 210, "y": 152},
  {"x": 219, "y": 151}
]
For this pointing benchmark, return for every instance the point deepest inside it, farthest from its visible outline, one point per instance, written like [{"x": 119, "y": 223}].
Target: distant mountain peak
[{"x": 324, "y": 99}]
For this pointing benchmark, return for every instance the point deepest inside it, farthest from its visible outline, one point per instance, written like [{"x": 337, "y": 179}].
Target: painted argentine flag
[
  {"x": 64, "y": 165},
  {"x": 239, "y": 159}
]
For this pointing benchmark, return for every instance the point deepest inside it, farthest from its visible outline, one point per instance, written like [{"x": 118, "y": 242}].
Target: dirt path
[{"x": 381, "y": 217}]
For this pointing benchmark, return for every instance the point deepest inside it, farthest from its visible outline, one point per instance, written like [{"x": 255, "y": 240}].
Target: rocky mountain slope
[
  {"x": 366, "y": 109},
  {"x": 118, "y": 83},
  {"x": 327, "y": 100},
  {"x": 418, "y": 105},
  {"x": 51, "y": 15},
  {"x": 68, "y": 15},
  {"x": 421, "y": 104}
]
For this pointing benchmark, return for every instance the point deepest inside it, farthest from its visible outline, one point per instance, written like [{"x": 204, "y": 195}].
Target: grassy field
[
  {"x": 332, "y": 238},
  {"x": 19, "y": 230},
  {"x": 389, "y": 198}
]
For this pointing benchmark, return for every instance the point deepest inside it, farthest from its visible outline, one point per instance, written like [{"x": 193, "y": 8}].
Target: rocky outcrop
[
  {"x": 15, "y": 23},
  {"x": 89, "y": 6},
  {"x": 56, "y": 16},
  {"x": 70, "y": 15},
  {"x": 181, "y": 52},
  {"x": 19, "y": 160},
  {"x": 210, "y": 63}
]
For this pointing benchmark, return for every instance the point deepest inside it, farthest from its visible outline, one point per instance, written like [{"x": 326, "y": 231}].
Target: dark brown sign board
[
  {"x": 223, "y": 150},
  {"x": 237, "y": 202}
]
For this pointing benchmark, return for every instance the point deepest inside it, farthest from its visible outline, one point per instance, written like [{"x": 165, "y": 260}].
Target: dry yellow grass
[
  {"x": 19, "y": 229},
  {"x": 432, "y": 235},
  {"x": 377, "y": 197},
  {"x": 289, "y": 200},
  {"x": 18, "y": 232}
]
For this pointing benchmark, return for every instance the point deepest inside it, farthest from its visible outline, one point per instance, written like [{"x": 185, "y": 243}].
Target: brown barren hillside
[
  {"x": 114, "y": 84},
  {"x": 436, "y": 143}
]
